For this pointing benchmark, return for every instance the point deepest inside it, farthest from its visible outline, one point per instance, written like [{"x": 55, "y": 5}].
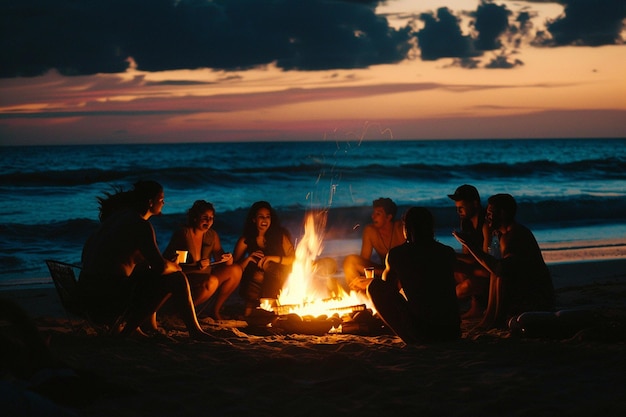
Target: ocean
[{"x": 570, "y": 191}]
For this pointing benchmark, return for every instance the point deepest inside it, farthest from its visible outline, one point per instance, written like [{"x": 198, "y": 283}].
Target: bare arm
[
  {"x": 150, "y": 251},
  {"x": 218, "y": 252},
  {"x": 287, "y": 259},
  {"x": 490, "y": 263}
]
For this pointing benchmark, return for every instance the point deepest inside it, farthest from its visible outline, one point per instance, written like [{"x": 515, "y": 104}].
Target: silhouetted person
[
  {"x": 471, "y": 277},
  {"x": 124, "y": 269},
  {"x": 422, "y": 269},
  {"x": 520, "y": 280}
]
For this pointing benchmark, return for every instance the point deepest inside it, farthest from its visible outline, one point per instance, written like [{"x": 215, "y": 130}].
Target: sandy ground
[{"x": 251, "y": 371}]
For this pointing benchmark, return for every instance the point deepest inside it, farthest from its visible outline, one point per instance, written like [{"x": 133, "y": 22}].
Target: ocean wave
[
  {"x": 542, "y": 213},
  {"x": 24, "y": 247},
  {"x": 550, "y": 171}
]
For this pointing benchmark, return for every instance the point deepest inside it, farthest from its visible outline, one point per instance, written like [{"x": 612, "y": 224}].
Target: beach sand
[{"x": 494, "y": 373}]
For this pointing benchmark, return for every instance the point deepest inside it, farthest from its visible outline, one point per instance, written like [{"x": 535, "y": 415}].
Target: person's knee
[
  {"x": 325, "y": 266},
  {"x": 351, "y": 266},
  {"x": 462, "y": 289},
  {"x": 351, "y": 260},
  {"x": 211, "y": 284}
]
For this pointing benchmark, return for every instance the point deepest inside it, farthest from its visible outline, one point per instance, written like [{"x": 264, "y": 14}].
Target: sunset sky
[{"x": 151, "y": 71}]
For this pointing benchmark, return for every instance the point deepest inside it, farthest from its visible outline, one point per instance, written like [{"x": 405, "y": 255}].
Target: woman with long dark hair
[
  {"x": 124, "y": 272},
  {"x": 265, "y": 252}
]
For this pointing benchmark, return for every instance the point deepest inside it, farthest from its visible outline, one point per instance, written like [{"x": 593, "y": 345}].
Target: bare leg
[
  {"x": 471, "y": 287},
  {"x": 493, "y": 304},
  {"x": 472, "y": 282},
  {"x": 202, "y": 293},
  {"x": 353, "y": 267},
  {"x": 172, "y": 285},
  {"x": 229, "y": 277},
  {"x": 393, "y": 309}
]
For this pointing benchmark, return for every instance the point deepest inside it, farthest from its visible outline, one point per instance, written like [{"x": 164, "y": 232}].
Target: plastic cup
[{"x": 182, "y": 256}]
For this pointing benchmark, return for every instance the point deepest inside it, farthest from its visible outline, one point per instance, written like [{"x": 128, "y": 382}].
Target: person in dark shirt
[
  {"x": 265, "y": 252},
  {"x": 416, "y": 295},
  {"x": 471, "y": 277},
  {"x": 123, "y": 271},
  {"x": 520, "y": 279}
]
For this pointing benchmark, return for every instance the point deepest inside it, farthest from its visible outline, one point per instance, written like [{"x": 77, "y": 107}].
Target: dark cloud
[
  {"x": 587, "y": 22},
  {"x": 492, "y": 21},
  {"x": 87, "y": 37},
  {"x": 441, "y": 37},
  {"x": 503, "y": 60},
  {"x": 81, "y": 37}
]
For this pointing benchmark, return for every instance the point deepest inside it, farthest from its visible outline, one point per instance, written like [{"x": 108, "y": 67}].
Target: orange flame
[{"x": 309, "y": 290}]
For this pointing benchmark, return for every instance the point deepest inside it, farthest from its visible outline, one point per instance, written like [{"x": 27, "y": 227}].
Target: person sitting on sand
[
  {"x": 381, "y": 235},
  {"x": 471, "y": 277},
  {"x": 266, "y": 254},
  {"x": 123, "y": 269},
  {"x": 416, "y": 296},
  {"x": 520, "y": 279},
  {"x": 202, "y": 244}
]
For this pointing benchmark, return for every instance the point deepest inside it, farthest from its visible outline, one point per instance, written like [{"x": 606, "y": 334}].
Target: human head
[
  {"x": 383, "y": 212},
  {"x": 145, "y": 196},
  {"x": 386, "y": 204},
  {"x": 197, "y": 211},
  {"x": 419, "y": 224},
  {"x": 467, "y": 201},
  {"x": 501, "y": 210},
  {"x": 250, "y": 226}
]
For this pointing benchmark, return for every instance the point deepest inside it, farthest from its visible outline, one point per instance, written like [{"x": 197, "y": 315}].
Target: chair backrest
[{"x": 65, "y": 282}]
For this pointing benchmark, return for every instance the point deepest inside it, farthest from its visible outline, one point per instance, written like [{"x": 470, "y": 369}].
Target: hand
[
  {"x": 171, "y": 267},
  {"x": 264, "y": 261},
  {"x": 227, "y": 258},
  {"x": 203, "y": 263},
  {"x": 360, "y": 283},
  {"x": 255, "y": 257}
]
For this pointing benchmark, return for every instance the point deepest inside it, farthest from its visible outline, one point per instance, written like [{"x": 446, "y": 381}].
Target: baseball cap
[{"x": 465, "y": 192}]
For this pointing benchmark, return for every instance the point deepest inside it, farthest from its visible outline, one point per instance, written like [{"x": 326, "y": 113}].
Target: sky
[{"x": 163, "y": 71}]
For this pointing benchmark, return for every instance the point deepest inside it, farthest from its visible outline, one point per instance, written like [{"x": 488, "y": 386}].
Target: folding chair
[{"x": 64, "y": 278}]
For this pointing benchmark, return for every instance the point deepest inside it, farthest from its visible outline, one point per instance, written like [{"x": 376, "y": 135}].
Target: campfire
[{"x": 312, "y": 301}]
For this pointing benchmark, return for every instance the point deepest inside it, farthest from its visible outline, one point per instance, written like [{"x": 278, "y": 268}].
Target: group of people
[
  {"x": 416, "y": 284},
  {"x": 124, "y": 274}
]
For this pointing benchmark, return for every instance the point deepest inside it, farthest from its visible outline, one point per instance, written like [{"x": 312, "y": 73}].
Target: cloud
[
  {"x": 112, "y": 36},
  {"x": 441, "y": 37},
  {"x": 81, "y": 38},
  {"x": 491, "y": 22},
  {"x": 587, "y": 22}
]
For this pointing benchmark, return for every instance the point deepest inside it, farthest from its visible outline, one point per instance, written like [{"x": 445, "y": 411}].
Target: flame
[{"x": 309, "y": 290}]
